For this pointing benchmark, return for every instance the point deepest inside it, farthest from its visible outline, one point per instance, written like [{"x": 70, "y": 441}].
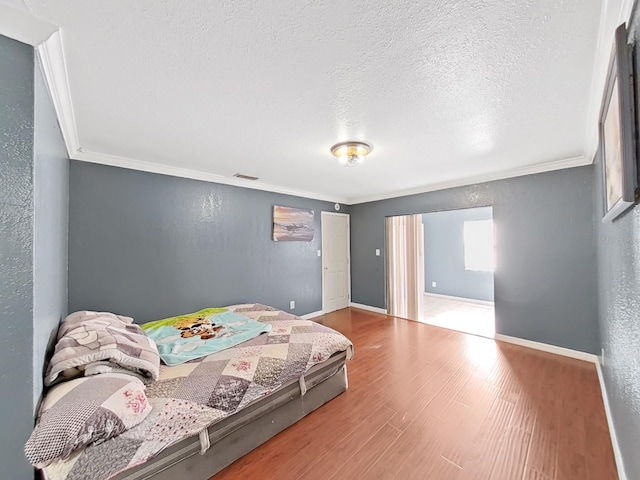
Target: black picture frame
[{"x": 617, "y": 129}]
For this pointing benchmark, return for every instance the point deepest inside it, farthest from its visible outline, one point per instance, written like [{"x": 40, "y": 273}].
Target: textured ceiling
[{"x": 444, "y": 90}]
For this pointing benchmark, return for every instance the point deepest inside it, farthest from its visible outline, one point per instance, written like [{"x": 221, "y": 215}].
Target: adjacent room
[
  {"x": 459, "y": 261},
  {"x": 319, "y": 240}
]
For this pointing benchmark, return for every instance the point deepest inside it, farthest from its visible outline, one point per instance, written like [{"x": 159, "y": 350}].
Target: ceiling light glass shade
[{"x": 351, "y": 154}]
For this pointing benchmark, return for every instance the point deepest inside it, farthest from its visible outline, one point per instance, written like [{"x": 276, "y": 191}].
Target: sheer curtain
[{"x": 405, "y": 266}]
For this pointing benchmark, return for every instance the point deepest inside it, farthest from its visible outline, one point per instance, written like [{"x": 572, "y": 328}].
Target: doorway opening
[{"x": 451, "y": 261}]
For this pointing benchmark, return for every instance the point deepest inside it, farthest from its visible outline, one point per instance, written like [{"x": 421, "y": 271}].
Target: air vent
[{"x": 246, "y": 177}]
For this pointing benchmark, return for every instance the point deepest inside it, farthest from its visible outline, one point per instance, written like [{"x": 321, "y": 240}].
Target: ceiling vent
[{"x": 245, "y": 177}]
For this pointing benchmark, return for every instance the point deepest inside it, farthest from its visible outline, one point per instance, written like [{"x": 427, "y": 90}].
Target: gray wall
[
  {"x": 545, "y": 278},
  {"x": 444, "y": 255},
  {"x": 33, "y": 244},
  {"x": 51, "y": 209},
  {"x": 151, "y": 246},
  {"x": 16, "y": 255},
  {"x": 619, "y": 308}
]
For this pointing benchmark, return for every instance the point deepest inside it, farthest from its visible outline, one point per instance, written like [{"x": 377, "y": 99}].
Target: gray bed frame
[{"x": 240, "y": 433}]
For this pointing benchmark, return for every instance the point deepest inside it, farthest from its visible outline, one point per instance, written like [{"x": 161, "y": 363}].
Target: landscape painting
[
  {"x": 292, "y": 224},
  {"x": 613, "y": 152},
  {"x": 618, "y": 132}
]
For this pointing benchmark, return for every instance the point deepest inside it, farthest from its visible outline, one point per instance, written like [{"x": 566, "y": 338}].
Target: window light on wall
[{"x": 479, "y": 246}]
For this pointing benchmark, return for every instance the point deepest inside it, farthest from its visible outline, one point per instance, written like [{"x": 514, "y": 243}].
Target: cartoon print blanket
[
  {"x": 196, "y": 335},
  {"x": 195, "y": 395}
]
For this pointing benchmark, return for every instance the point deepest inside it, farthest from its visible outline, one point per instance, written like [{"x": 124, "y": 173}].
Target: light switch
[
  {"x": 319, "y": 253},
  {"x": 377, "y": 252}
]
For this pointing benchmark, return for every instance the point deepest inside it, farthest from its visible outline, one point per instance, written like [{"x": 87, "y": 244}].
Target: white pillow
[{"x": 84, "y": 411}]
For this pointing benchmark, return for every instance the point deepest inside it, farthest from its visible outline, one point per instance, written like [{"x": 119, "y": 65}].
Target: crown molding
[
  {"x": 610, "y": 18},
  {"x": 51, "y": 53},
  {"x": 54, "y": 67},
  {"x": 626, "y": 9},
  {"x": 115, "y": 161},
  {"x": 143, "y": 166},
  {"x": 24, "y": 27},
  {"x": 489, "y": 177},
  {"x": 47, "y": 39},
  {"x": 598, "y": 75}
]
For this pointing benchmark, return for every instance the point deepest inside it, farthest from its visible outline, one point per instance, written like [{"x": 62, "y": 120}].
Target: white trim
[
  {"x": 626, "y": 10},
  {"x": 617, "y": 453},
  {"x": 368, "y": 308},
  {"x": 609, "y": 21},
  {"x": 24, "y": 27},
  {"x": 598, "y": 75},
  {"x": 54, "y": 67},
  {"x": 143, "y": 166},
  {"x": 323, "y": 256},
  {"x": 489, "y": 177},
  {"x": 47, "y": 39},
  {"x": 459, "y": 299},
  {"x": 311, "y": 315},
  {"x": 27, "y": 28},
  {"x": 545, "y": 347}
]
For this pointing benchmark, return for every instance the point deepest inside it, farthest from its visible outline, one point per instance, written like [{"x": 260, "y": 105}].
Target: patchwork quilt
[{"x": 192, "y": 396}]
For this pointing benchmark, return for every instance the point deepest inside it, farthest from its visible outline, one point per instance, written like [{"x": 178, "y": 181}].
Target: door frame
[{"x": 323, "y": 214}]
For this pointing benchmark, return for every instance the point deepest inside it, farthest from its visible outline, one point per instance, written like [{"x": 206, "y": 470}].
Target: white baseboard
[
  {"x": 458, "y": 299},
  {"x": 311, "y": 315},
  {"x": 617, "y": 453},
  {"x": 368, "y": 308},
  {"x": 545, "y": 347}
]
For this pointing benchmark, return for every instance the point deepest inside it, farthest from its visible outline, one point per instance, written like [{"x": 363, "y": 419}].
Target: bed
[{"x": 207, "y": 413}]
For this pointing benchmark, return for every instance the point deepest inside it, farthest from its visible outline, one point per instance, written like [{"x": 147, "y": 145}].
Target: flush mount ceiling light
[{"x": 351, "y": 154}]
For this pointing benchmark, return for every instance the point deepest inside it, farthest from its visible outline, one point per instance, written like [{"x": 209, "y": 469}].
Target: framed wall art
[
  {"x": 618, "y": 131},
  {"x": 292, "y": 224}
]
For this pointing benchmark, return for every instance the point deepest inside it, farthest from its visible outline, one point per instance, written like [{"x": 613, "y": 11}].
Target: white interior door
[{"x": 336, "y": 276}]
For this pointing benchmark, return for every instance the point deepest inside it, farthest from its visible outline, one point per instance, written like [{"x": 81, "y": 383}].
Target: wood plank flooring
[{"x": 430, "y": 403}]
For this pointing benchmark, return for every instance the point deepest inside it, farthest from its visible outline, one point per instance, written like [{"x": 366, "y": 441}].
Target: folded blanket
[
  {"x": 100, "y": 342},
  {"x": 196, "y": 335}
]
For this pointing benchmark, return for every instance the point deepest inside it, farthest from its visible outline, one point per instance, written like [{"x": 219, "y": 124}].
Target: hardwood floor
[{"x": 429, "y": 403}]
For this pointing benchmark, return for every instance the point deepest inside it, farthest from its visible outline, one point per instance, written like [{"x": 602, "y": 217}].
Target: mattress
[
  {"x": 226, "y": 391},
  {"x": 237, "y": 435}
]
